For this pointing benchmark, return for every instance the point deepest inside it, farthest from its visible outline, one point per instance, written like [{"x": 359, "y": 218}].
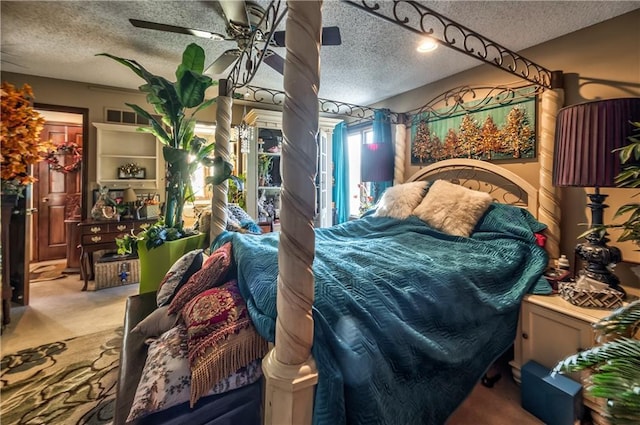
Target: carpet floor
[
  {"x": 72, "y": 381},
  {"x": 60, "y": 312}
]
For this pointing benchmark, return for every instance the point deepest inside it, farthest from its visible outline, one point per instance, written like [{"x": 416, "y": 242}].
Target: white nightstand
[{"x": 551, "y": 329}]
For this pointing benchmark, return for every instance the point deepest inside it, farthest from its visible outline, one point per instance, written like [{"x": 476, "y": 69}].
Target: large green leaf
[
  {"x": 192, "y": 59},
  {"x": 131, "y": 64},
  {"x": 192, "y": 88},
  {"x": 156, "y": 128}
]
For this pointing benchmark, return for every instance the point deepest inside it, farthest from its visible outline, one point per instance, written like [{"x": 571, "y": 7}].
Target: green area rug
[{"x": 67, "y": 382}]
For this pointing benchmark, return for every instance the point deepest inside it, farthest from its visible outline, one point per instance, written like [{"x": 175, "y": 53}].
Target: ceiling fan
[{"x": 243, "y": 18}]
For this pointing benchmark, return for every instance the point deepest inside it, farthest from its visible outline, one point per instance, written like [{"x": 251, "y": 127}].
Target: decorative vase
[
  {"x": 155, "y": 263},
  {"x": 8, "y": 202}
]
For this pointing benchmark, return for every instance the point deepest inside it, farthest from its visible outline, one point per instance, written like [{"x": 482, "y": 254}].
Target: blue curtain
[
  {"x": 382, "y": 134},
  {"x": 340, "y": 156}
]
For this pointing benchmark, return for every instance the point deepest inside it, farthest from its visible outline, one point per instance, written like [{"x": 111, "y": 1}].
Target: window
[
  {"x": 357, "y": 137},
  {"x": 201, "y": 192}
]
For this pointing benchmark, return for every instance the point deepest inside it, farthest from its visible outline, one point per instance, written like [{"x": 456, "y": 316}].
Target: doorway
[{"x": 58, "y": 201}]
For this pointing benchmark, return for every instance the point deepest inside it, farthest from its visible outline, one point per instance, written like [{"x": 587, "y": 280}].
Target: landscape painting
[{"x": 495, "y": 132}]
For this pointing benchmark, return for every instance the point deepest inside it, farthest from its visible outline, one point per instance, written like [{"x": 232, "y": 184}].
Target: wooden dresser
[{"x": 101, "y": 235}]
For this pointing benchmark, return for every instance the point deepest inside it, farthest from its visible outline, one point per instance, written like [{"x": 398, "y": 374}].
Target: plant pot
[
  {"x": 155, "y": 263},
  {"x": 8, "y": 202}
]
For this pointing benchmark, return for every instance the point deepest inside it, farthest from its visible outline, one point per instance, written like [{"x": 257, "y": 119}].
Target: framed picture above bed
[{"x": 500, "y": 125}]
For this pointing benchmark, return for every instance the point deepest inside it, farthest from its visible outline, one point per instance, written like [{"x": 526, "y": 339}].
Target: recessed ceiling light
[{"x": 427, "y": 45}]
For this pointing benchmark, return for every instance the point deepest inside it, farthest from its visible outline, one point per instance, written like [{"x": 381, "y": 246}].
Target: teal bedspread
[{"x": 407, "y": 319}]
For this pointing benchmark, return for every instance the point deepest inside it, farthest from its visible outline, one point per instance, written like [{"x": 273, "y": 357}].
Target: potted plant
[
  {"x": 176, "y": 103},
  {"x": 265, "y": 163},
  {"x": 20, "y": 136},
  {"x": 236, "y": 194},
  {"x": 628, "y": 177},
  {"x": 21, "y": 148},
  {"x": 614, "y": 365}
]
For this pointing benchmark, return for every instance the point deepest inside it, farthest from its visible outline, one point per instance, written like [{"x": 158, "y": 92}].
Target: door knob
[{"x": 45, "y": 199}]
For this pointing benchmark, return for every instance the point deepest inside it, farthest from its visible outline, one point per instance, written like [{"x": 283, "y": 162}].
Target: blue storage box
[{"x": 555, "y": 400}]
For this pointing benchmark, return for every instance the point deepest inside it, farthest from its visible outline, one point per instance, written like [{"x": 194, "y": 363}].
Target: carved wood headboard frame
[{"x": 505, "y": 186}]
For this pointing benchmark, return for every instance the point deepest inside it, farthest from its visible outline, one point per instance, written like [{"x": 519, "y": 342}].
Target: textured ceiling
[{"x": 377, "y": 60}]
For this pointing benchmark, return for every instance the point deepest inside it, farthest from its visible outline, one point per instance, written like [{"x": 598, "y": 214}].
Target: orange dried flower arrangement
[{"x": 20, "y": 138}]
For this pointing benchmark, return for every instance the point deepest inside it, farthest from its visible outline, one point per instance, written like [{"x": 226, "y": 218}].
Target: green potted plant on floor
[
  {"x": 176, "y": 103},
  {"x": 614, "y": 365}
]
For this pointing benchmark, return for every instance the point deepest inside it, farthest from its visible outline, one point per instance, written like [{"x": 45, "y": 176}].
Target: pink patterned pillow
[
  {"x": 212, "y": 273},
  {"x": 220, "y": 337}
]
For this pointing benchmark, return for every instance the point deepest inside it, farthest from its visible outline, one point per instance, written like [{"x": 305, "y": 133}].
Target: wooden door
[{"x": 57, "y": 196}]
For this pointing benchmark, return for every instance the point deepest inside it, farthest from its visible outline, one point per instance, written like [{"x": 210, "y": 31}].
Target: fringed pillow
[
  {"x": 220, "y": 337},
  {"x": 399, "y": 201},
  {"x": 452, "y": 208},
  {"x": 213, "y": 273},
  {"x": 166, "y": 376},
  {"x": 178, "y": 275}
]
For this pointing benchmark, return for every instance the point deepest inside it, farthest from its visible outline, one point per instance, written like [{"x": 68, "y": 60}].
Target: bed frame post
[
  {"x": 223, "y": 134},
  {"x": 289, "y": 369},
  {"x": 548, "y": 195},
  {"x": 401, "y": 147}
]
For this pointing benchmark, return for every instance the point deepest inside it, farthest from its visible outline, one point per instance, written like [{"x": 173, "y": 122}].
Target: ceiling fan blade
[
  {"x": 180, "y": 30},
  {"x": 275, "y": 61},
  {"x": 223, "y": 62},
  {"x": 235, "y": 11},
  {"x": 330, "y": 37}
]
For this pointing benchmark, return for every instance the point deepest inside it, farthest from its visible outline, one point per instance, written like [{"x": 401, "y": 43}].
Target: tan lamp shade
[{"x": 130, "y": 195}]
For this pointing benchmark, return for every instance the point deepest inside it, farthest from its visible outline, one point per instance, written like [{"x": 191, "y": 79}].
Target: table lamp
[
  {"x": 376, "y": 164},
  {"x": 586, "y": 136},
  {"x": 130, "y": 198}
]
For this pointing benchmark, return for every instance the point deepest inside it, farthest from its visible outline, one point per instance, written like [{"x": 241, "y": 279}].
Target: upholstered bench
[{"x": 240, "y": 406}]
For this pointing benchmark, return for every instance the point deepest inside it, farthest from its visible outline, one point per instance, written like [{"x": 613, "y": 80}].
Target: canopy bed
[{"x": 300, "y": 317}]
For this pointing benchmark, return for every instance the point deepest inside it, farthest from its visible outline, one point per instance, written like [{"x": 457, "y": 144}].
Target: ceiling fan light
[
  {"x": 427, "y": 45},
  {"x": 206, "y": 34}
]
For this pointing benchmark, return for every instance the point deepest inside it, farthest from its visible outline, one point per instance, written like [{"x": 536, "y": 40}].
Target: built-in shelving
[{"x": 120, "y": 144}]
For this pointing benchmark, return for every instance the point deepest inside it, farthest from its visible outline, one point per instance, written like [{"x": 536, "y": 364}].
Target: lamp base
[
  {"x": 595, "y": 251},
  {"x": 598, "y": 256}
]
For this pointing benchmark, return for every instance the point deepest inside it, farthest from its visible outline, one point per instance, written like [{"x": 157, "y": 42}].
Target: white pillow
[
  {"x": 452, "y": 208},
  {"x": 399, "y": 201}
]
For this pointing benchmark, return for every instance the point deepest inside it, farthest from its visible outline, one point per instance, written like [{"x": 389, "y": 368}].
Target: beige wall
[{"x": 599, "y": 62}]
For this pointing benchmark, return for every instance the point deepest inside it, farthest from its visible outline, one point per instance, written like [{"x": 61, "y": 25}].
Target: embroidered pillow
[
  {"x": 212, "y": 273},
  {"x": 178, "y": 275},
  {"x": 399, "y": 201},
  {"x": 157, "y": 323},
  {"x": 220, "y": 337},
  {"x": 452, "y": 208},
  {"x": 166, "y": 376}
]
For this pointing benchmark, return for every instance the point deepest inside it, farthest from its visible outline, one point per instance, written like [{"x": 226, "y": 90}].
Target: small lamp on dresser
[
  {"x": 130, "y": 198},
  {"x": 587, "y": 134}
]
